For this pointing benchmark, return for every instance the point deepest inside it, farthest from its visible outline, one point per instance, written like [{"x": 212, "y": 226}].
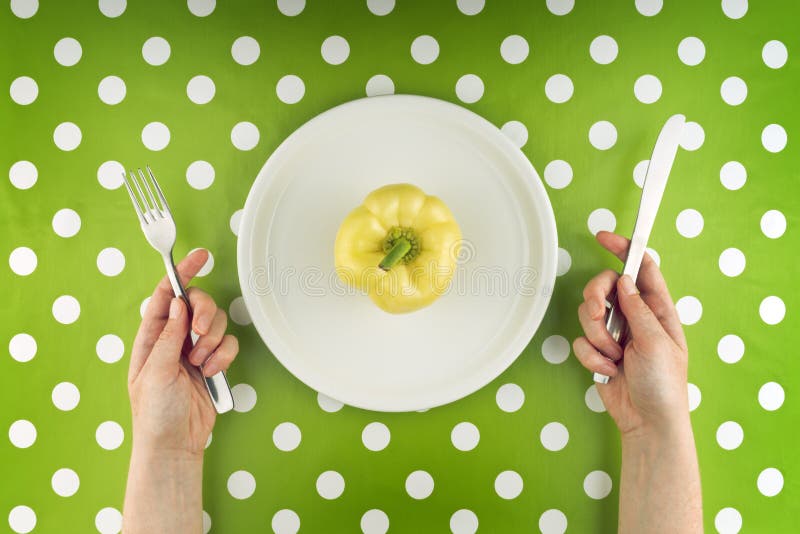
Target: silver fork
[{"x": 159, "y": 229}]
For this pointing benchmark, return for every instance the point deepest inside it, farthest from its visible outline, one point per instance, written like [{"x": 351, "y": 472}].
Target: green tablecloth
[{"x": 205, "y": 92}]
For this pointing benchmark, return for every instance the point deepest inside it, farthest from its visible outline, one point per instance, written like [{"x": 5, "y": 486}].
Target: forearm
[
  {"x": 164, "y": 493},
  {"x": 660, "y": 483}
]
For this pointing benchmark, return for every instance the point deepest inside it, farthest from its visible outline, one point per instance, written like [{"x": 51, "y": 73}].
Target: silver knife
[{"x": 652, "y": 191}]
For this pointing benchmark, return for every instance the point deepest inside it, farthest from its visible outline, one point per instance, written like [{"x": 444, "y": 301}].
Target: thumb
[
  {"x": 641, "y": 320},
  {"x": 167, "y": 348}
]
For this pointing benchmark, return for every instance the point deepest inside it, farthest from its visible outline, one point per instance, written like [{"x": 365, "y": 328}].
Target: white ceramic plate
[{"x": 336, "y": 340}]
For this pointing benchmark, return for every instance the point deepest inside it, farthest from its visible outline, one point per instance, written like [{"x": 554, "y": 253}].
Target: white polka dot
[
  {"x": 691, "y": 51},
  {"x": 155, "y": 136},
  {"x": 67, "y": 136},
  {"x": 649, "y": 8},
  {"x": 378, "y": 85},
  {"x": 593, "y": 400},
  {"x": 734, "y": 9},
  {"x": 245, "y": 136},
  {"x": 110, "y": 348},
  {"x": 774, "y": 138},
  {"x": 558, "y": 88},
  {"x": 200, "y": 174},
  {"x": 419, "y": 485},
  {"x": 640, "y": 172},
  {"x": 603, "y": 49},
  {"x": 647, "y": 89},
  {"x": 235, "y": 221},
  {"x": 201, "y": 89},
  {"x": 208, "y": 266},
  {"x": 143, "y": 306},
  {"x": 291, "y": 8},
  {"x": 730, "y": 348},
  {"x": 327, "y": 404},
  {"x": 465, "y": 436},
  {"x": 554, "y": 436},
  {"x": 24, "y": 9},
  {"x": 374, "y": 522},
  {"x": 730, "y": 435},
  {"x": 156, "y": 51},
  {"x": 560, "y": 7},
  {"x": 201, "y": 8},
  {"x": 286, "y": 436},
  {"x": 516, "y": 131},
  {"x": 694, "y": 395},
  {"x": 23, "y": 174},
  {"x": 693, "y": 136},
  {"x": 22, "y": 347},
  {"x": 241, "y": 484},
  {"x": 238, "y": 313},
  {"x": 21, "y": 519},
  {"x": 733, "y": 175},
  {"x": 771, "y": 396},
  {"x": 774, "y": 54},
  {"x": 728, "y": 521},
  {"x": 602, "y": 135},
  {"x": 553, "y": 522},
  {"x": 22, "y": 261},
  {"x": 109, "y": 174},
  {"x": 464, "y": 522},
  {"x": 22, "y": 434},
  {"x": 330, "y": 485},
  {"x": 773, "y": 224},
  {"x": 425, "y": 49},
  {"x": 109, "y": 435},
  {"x": 508, "y": 485},
  {"x": 290, "y": 89},
  {"x": 601, "y": 219},
  {"x": 113, "y": 8},
  {"x": 558, "y": 174},
  {"x": 65, "y": 482},
  {"x": 245, "y": 50},
  {"x": 470, "y": 7},
  {"x": 733, "y": 91},
  {"x": 66, "y": 309},
  {"x": 564, "y": 262},
  {"x": 732, "y": 262},
  {"x": 597, "y": 485},
  {"x": 206, "y": 522},
  {"x": 24, "y": 90},
  {"x": 689, "y": 310},
  {"x": 67, "y": 51},
  {"x": 108, "y": 521},
  {"x": 510, "y": 397},
  {"x": 375, "y": 436},
  {"x": 770, "y": 482},
  {"x": 772, "y": 310},
  {"x": 335, "y": 50},
  {"x": 285, "y": 521},
  {"x": 555, "y": 349},
  {"x": 380, "y": 8},
  {"x": 514, "y": 49},
  {"x": 469, "y": 88},
  {"x": 244, "y": 397},
  {"x": 66, "y": 396},
  {"x": 653, "y": 254},
  {"x": 111, "y": 90},
  {"x": 110, "y": 261},
  {"x": 689, "y": 223}
]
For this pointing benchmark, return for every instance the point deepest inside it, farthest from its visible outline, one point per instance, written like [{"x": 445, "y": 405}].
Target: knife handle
[{"x": 617, "y": 326}]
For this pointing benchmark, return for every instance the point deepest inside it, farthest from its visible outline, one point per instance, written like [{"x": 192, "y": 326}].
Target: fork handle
[{"x": 216, "y": 385}]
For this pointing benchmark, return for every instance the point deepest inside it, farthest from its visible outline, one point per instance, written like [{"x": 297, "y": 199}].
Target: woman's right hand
[{"x": 647, "y": 392}]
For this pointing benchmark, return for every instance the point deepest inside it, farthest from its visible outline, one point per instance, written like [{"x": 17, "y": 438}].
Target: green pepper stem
[{"x": 400, "y": 249}]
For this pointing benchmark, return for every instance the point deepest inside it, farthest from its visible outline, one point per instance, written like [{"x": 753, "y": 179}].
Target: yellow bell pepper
[{"x": 400, "y": 247}]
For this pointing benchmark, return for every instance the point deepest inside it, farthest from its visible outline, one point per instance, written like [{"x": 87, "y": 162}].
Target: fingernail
[
  {"x": 595, "y": 310},
  {"x": 201, "y": 324},
  {"x": 628, "y": 287},
  {"x": 199, "y": 357},
  {"x": 174, "y": 309},
  {"x": 211, "y": 368}
]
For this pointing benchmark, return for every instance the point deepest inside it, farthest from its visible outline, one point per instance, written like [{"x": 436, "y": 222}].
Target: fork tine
[
  {"x": 156, "y": 210},
  {"x": 158, "y": 190},
  {"x": 133, "y": 198},
  {"x": 142, "y": 198}
]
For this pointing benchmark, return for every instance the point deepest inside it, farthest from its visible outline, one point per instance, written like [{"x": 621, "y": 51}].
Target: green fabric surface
[{"x": 731, "y": 216}]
